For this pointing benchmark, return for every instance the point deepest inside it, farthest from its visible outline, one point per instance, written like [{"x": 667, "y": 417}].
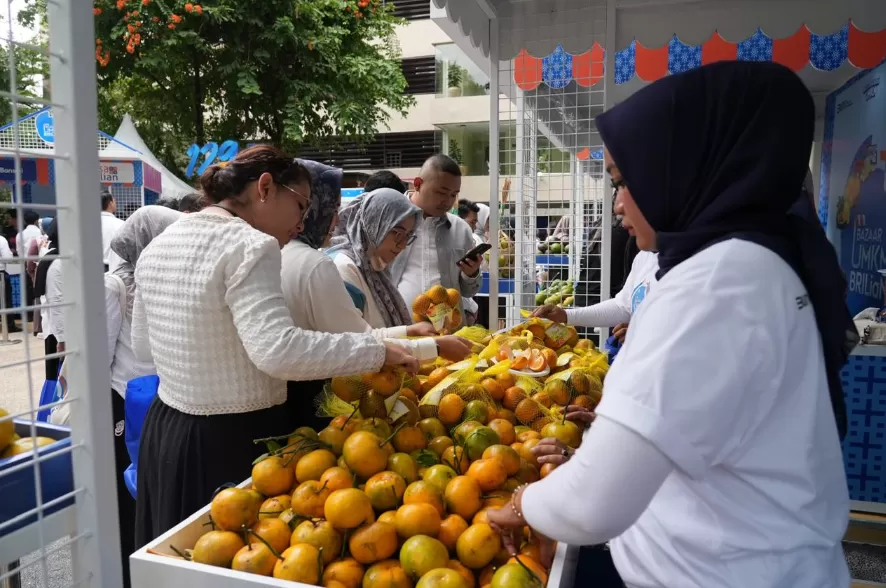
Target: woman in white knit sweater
[{"x": 209, "y": 308}]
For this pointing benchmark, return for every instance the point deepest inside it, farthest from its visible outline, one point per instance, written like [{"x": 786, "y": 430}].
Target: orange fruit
[
  {"x": 478, "y": 546},
  {"x": 441, "y": 578},
  {"x": 235, "y": 508},
  {"x": 450, "y": 529},
  {"x": 432, "y": 427},
  {"x": 348, "y": 388},
  {"x": 485, "y": 578},
  {"x": 389, "y": 517},
  {"x": 386, "y": 383},
  {"x": 373, "y": 542},
  {"x": 348, "y": 572},
  {"x": 566, "y": 432},
  {"x": 403, "y": 464},
  {"x": 255, "y": 559},
  {"x": 385, "y": 490},
  {"x": 513, "y": 396},
  {"x": 320, "y": 534},
  {"x": 585, "y": 401},
  {"x": 504, "y": 429},
  {"x": 455, "y": 458},
  {"x": 543, "y": 398},
  {"x": 550, "y": 357},
  {"x": 463, "y": 571},
  {"x": 558, "y": 391},
  {"x": 493, "y": 388},
  {"x": 417, "y": 519},
  {"x": 490, "y": 474},
  {"x": 421, "y": 303},
  {"x": 300, "y": 564},
  {"x": 410, "y": 394},
  {"x": 409, "y": 439},
  {"x": 506, "y": 415},
  {"x": 510, "y": 459},
  {"x": 436, "y": 376},
  {"x": 537, "y": 362},
  {"x": 462, "y": 496},
  {"x": 348, "y": 508},
  {"x": 272, "y": 476},
  {"x": 524, "y": 436},
  {"x": 450, "y": 409},
  {"x": 426, "y": 493},
  {"x": 520, "y": 362},
  {"x": 334, "y": 438},
  {"x": 364, "y": 454},
  {"x": 386, "y": 574},
  {"x": 496, "y": 499},
  {"x": 274, "y": 531},
  {"x": 437, "y": 294},
  {"x": 218, "y": 548},
  {"x": 342, "y": 422},
  {"x": 481, "y": 517},
  {"x": 272, "y": 507},
  {"x": 439, "y": 444},
  {"x": 526, "y": 452},
  {"x": 546, "y": 469},
  {"x": 336, "y": 478},
  {"x": 308, "y": 499},
  {"x": 527, "y": 473},
  {"x": 420, "y": 554},
  {"x": 439, "y": 476},
  {"x": 537, "y": 569},
  {"x": 312, "y": 465},
  {"x": 506, "y": 380},
  {"x": 527, "y": 410}
]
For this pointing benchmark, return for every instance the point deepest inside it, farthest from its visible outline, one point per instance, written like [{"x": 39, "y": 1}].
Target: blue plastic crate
[{"x": 56, "y": 476}]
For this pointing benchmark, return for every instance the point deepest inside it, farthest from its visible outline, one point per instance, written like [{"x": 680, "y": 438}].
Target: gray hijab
[
  {"x": 367, "y": 223},
  {"x": 137, "y": 233},
  {"x": 326, "y": 183}
]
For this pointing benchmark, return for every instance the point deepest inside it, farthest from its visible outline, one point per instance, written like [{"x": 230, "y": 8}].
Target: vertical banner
[{"x": 854, "y": 175}]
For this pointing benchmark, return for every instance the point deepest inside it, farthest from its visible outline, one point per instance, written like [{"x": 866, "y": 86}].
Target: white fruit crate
[{"x": 149, "y": 570}]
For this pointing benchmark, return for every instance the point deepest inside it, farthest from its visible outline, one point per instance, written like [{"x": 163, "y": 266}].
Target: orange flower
[
  {"x": 96, "y": 11},
  {"x": 120, "y": 4},
  {"x": 155, "y": 19},
  {"x": 175, "y": 18},
  {"x": 98, "y": 41},
  {"x": 135, "y": 13},
  {"x": 171, "y": 26},
  {"x": 198, "y": 9},
  {"x": 130, "y": 28},
  {"x": 189, "y": 7},
  {"x": 145, "y": 2}
]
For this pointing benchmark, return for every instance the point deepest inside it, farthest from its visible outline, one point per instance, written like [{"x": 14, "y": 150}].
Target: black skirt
[{"x": 184, "y": 459}]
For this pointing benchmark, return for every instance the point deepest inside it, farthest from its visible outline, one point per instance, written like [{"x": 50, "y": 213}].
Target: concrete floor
[{"x": 23, "y": 382}]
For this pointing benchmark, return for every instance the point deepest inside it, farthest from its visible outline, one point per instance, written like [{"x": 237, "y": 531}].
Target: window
[
  {"x": 412, "y": 9},
  {"x": 386, "y": 150},
  {"x": 468, "y": 145},
  {"x": 420, "y": 74},
  {"x": 457, "y": 75}
]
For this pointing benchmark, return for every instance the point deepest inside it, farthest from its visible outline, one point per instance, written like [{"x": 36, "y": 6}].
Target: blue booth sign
[
  {"x": 7, "y": 170},
  {"x": 45, "y": 127},
  {"x": 210, "y": 152}
]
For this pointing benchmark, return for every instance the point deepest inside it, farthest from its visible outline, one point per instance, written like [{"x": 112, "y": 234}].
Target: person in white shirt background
[
  {"x": 315, "y": 291},
  {"x": 209, "y": 311},
  {"x": 110, "y": 225},
  {"x": 48, "y": 291},
  {"x": 714, "y": 458},
  {"x": 30, "y": 233},
  {"x": 6, "y": 257},
  {"x": 442, "y": 239},
  {"x": 136, "y": 233},
  {"x": 470, "y": 213}
]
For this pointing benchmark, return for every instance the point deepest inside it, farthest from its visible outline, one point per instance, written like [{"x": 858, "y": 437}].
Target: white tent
[{"x": 173, "y": 187}]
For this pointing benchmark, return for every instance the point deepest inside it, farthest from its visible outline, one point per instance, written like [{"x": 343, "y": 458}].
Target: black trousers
[
  {"x": 595, "y": 568},
  {"x": 50, "y": 346},
  {"x": 7, "y": 297},
  {"x": 125, "y": 501}
]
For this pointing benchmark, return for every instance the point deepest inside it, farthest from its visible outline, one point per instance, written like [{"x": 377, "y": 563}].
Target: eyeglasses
[
  {"x": 297, "y": 193},
  {"x": 401, "y": 236}
]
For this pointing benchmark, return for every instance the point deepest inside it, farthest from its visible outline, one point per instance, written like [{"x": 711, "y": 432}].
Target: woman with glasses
[{"x": 209, "y": 310}]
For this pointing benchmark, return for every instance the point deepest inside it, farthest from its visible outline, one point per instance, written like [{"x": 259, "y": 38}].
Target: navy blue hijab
[{"x": 721, "y": 152}]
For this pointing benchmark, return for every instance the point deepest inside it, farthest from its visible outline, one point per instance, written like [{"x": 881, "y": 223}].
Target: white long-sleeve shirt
[
  {"x": 55, "y": 323},
  {"x": 210, "y": 307},
  {"x": 619, "y": 309},
  {"x": 317, "y": 299},
  {"x": 715, "y": 459},
  {"x": 122, "y": 362},
  {"x": 110, "y": 226}
]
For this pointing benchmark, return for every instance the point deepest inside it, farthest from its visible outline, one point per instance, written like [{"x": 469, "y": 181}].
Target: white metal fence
[{"x": 61, "y": 513}]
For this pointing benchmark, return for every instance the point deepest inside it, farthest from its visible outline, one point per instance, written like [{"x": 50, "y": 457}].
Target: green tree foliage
[
  {"x": 282, "y": 71},
  {"x": 31, "y": 70}
]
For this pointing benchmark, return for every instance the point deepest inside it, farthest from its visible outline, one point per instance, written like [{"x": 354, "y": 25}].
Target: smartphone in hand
[{"x": 476, "y": 252}]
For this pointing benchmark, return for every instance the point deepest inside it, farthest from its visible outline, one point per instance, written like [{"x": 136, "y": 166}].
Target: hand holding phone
[{"x": 476, "y": 253}]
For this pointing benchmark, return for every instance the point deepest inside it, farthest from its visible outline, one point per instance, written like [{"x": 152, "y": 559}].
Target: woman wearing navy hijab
[{"x": 715, "y": 457}]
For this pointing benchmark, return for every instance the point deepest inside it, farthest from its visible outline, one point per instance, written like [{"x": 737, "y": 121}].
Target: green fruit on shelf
[
  {"x": 542, "y": 247},
  {"x": 569, "y": 301},
  {"x": 556, "y": 248},
  {"x": 555, "y": 299},
  {"x": 566, "y": 248}
]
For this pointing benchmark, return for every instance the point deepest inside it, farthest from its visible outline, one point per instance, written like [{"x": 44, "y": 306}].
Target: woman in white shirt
[
  {"x": 316, "y": 296},
  {"x": 48, "y": 290},
  {"x": 210, "y": 307},
  {"x": 716, "y": 436},
  {"x": 134, "y": 235}
]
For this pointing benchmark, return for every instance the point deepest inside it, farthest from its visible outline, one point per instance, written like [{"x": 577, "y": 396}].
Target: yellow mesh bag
[
  {"x": 571, "y": 384},
  {"x": 464, "y": 383},
  {"x": 373, "y": 393},
  {"x": 440, "y": 307}
]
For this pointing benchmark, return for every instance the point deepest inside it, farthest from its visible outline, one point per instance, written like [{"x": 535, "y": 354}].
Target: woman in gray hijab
[
  {"x": 134, "y": 236},
  {"x": 380, "y": 227}
]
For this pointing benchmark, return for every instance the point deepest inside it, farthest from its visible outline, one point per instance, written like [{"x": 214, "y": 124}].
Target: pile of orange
[{"x": 365, "y": 504}]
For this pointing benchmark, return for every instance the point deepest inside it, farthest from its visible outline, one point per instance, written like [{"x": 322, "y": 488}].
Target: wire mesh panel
[
  {"x": 53, "y": 479},
  {"x": 128, "y": 198},
  {"x": 552, "y": 227}
]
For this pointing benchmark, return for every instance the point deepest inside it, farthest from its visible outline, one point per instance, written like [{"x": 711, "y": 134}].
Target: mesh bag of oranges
[
  {"x": 474, "y": 333},
  {"x": 374, "y": 394},
  {"x": 523, "y": 400},
  {"x": 440, "y": 307},
  {"x": 576, "y": 385},
  {"x": 550, "y": 334},
  {"x": 469, "y": 397}
]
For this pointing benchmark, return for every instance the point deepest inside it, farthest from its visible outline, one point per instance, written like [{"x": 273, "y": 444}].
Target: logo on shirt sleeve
[{"x": 638, "y": 295}]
